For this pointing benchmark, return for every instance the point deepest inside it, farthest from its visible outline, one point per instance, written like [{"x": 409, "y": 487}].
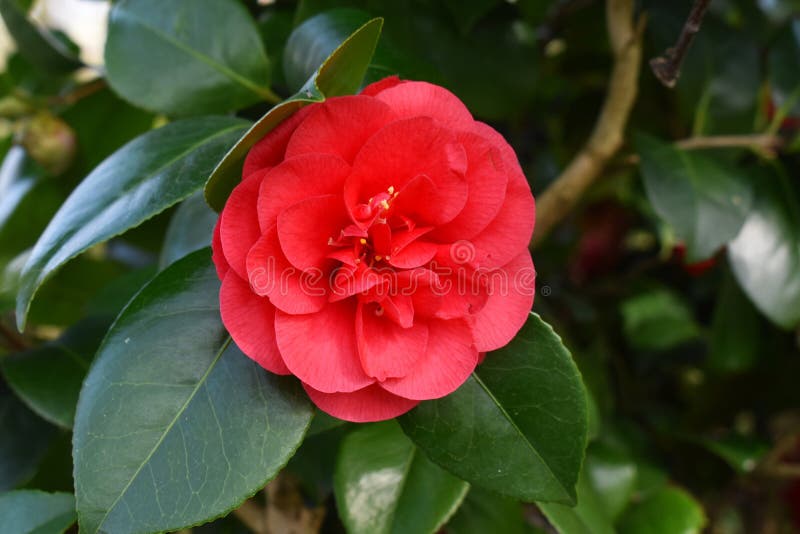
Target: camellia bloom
[{"x": 376, "y": 247}]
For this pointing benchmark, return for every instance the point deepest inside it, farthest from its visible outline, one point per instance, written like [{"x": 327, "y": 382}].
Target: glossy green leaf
[
  {"x": 657, "y": 320},
  {"x": 612, "y": 475},
  {"x": 383, "y": 483},
  {"x": 41, "y": 48},
  {"x": 186, "y": 58},
  {"x": 588, "y": 516},
  {"x": 484, "y": 511},
  {"x": 143, "y": 178},
  {"x": 341, "y": 73},
  {"x": 784, "y": 68},
  {"x": 704, "y": 201},
  {"x": 669, "y": 511},
  {"x": 736, "y": 331},
  {"x": 48, "y": 378},
  {"x": 175, "y": 426},
  {"x": 743, "y": 453},
  {"x": 765, "y": 256},
  {"x": 36, "y": 512},
  {"x": 190, "y": 229},
  {"x": 24, "y": 438},
  {"x": 518, "y": 426}
]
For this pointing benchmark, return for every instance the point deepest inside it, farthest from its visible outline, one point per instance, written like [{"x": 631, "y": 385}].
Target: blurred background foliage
[{"x": 676, "y": 282}]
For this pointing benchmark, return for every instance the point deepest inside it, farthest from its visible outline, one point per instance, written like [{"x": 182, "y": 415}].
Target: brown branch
[
  {"x": 606, "y": 139},
  {"x": 11, "y": 339},
  {"x": 667, "y": 67},
  {"x": 765, "y": 144}
]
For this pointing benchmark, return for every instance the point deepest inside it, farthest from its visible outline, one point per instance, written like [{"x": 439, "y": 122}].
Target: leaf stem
[{"x": 667, "y": 67}]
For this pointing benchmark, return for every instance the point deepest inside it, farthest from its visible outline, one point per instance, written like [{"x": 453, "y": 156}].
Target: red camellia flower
[{"x": 376, "y": 247}]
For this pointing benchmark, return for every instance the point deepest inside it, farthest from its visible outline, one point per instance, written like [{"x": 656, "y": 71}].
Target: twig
[
  {"x": 763, "y": 143},
  {"x": 667, "y": 68},
  {"x": 80, "y": 92},
  {"x": 13, "y": 340},
  {"x": 606, "y": 138}
]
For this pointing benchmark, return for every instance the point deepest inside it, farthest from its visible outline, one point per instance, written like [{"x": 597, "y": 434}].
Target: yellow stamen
[
  {"x": 362, "y": 241},
  {"x": 391, "y": 190},
  {"x": 378, "y": 258},
  {"x": 388, "y": 258},
  {"x": 384, "y": 204}
]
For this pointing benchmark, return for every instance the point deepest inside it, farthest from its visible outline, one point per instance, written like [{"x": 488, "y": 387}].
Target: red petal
[
  {"x": 305, "y": 228},
  {"x": 487, "y": 180},
  {"x": 340, "y": 126},
  {"x": 422, "y": 161},
  {"x": 220, "y": 263},
  {"x": 288, "y": 288},
  {"x": 250, "y": 320},
  {"x": 363, "y": 406},
  {"x": 381, "y": 85},
  {"x": 296, "y": 179},
  {"x": 413, "y": 255},
  {"x": 320, "y": 348},
  {"x": 270, "y": 150},
  {"x": 239, "y": 228},
  {"x": 399, "y": 308},
  {"x": 387, "y": 349},
  {"x": 449, "y": 359},
  {"x": 422, "y": 99},
  {"x": 509, "y": 303},
  {"x": 353, "y": 280}
]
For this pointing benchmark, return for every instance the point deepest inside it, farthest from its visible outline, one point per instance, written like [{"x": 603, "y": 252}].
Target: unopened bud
[{"x": 50, "y": 142}]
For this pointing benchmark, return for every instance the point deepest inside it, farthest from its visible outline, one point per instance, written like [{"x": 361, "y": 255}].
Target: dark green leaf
[
  {"x": 704, "y": 201},
  {"x": 736, "y": 331},
  {"x": 484, "y": 511},
  {"x": 341, "y": 73},
  {"x": 24, "y": 439},
  {"x": 657, "y": 320},
  {"x": 588, "y": 516},
  {"x": 175, "y": 426},
  {"x": 784, "y": 68},
  {"x": 143, "y": 178},
  {"x": 612, "y": 475},
  {"x": 765, "y": 256},
  {"x": 190, "y": 229},
  {"x": 669, "y": 511},
  {"x": 35, "y": 44},
  {"x": 184, "y": 58},
  {"x": 48, "y": 378},
  {"x": 743, "y": 453},
  {"x": 518, "y": 426},
  {"x": 467, "y": 13},
  {"x": 36, "y": 512},
  {"x": 383, "y": 483}
]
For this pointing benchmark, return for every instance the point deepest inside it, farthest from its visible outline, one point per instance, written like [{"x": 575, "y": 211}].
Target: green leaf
[
  {"x": 784, "y": 69},
  {"x": 341, "y": 73},
  {"x": 36, "y": 45},
  {"x": 182, "y": 58},
  {"x": 190, "y": 229},
  {"x": 736, "y": 331},
  {"x": 140, "y": 180},
  {"x": 743, "y": 453},
  {"x": 588, "y": 516},
  {"x": 24, "y": 439},
  {"x": 383, "y": 483},
  {"x": 468, "y": 13},
  {"x": 36, "y": 512},
  {"x": 612, "y": 475},
  {"x": 765, "y": 256},
  {"x": 704, "y": 201},
  {"x": 518, "y": 426},
  {"x": 48, "y": 378},
  {"x": 175, "y": 426},
  {"x": 484, "y": 511},
  {"x": 669, "y": 511},
  {"x": 657, "y": 320}
]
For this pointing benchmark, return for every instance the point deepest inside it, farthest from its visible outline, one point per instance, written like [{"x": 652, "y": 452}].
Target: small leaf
[
  {"x": 588, "y": 516},
  {"x": 38, "y": 46},
  {"x": 341, "y": 73},
  {"x": 48, "y": 378},
  {"x": 518, "y": 426},
  {"x": 743, "y": 453},
  {"x": 383, "y": 483},
  {"x": 190, "y": 229},
  {"x": 182, "y": 58},
  {"x": 612, "y": 475},
  {"x": 24, "y": 439},
  {"x": 657, "y": 320},
  {"x": 669, "y": 511},
  {"x": 704, "y": 201},
  {"x": 175, "y": 426},
  {"x": 765, "y": 256},
  {"x": 36, "y": 512},
  {"x": 140, "y": 180},
  {"x": 736, "y": 330}
]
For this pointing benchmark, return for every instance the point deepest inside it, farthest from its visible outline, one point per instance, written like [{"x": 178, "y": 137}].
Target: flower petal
[
  {"x": 381, "y": 85},
  {"x": 423, "y": 99},
  {"x": 239, "y": 229},
  {"x": 289, "y": 289},
  {"x": 250, "y": 320},
  {"x": 296, "y": 179},
  {"x": 340, "y": 126},
  {"x": 220, "y": 263},
  {"x": 415, "y": 254},
  {"x": 305, "y": 228},
  {"x": 269, "y": 151},
  {"x": 320, "y": 348},
  {"x": 449, "y": 359},
  {"x": 509, "y": 303},
  {"x": 387, "y": 349},
  {"x": 363, "y": 406}
]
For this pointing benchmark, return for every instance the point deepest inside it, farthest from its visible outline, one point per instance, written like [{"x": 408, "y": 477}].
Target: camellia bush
[{"x": 408, "y": 266}]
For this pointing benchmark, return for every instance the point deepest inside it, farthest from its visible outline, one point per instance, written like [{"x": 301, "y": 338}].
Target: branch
[
  {"x": 764, "y": 144},
  {"x": 667, "y": 68},
  {"x": 606, "y": 139},
  {"x": 13, "y": 340}
]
